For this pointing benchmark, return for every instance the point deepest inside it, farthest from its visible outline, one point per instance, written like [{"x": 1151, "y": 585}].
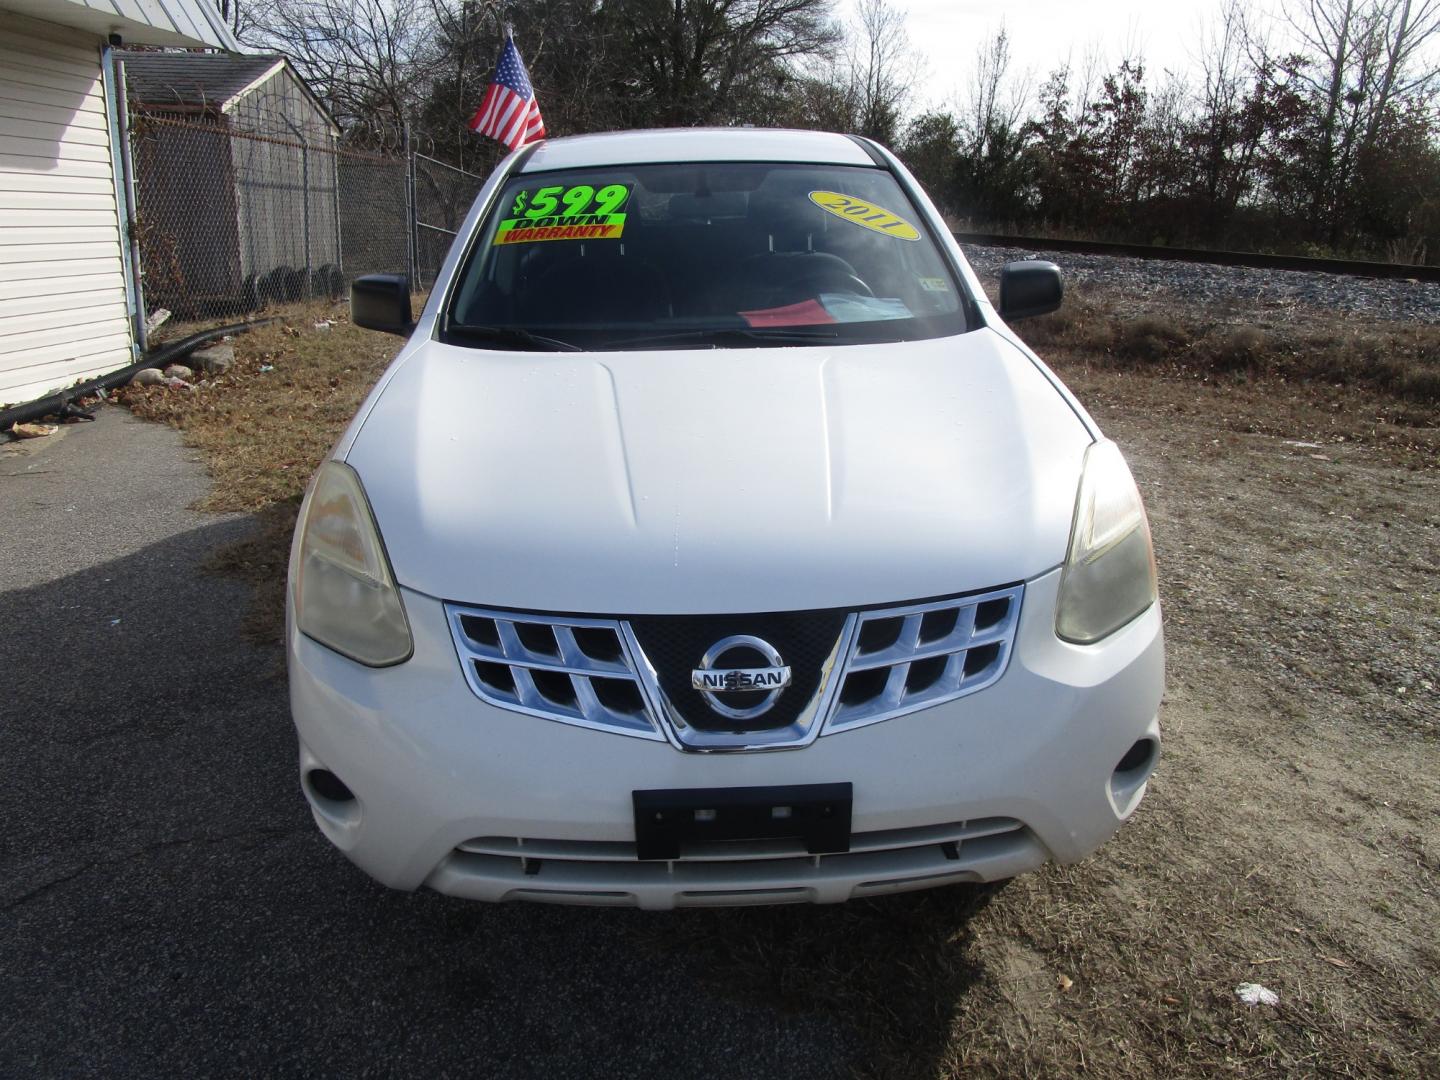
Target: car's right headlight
[
  {"x": 345, "y": 595},
  {"x": 1109, "y": 575}
]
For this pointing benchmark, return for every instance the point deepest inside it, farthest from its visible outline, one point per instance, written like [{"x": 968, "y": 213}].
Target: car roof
[{"x": 696, "y": 144}]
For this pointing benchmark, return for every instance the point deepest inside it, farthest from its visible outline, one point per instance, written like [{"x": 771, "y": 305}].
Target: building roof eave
[{"x": 191, "y": 24}]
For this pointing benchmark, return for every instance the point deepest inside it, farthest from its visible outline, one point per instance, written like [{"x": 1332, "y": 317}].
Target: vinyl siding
[{"x": 63, "y": 316}]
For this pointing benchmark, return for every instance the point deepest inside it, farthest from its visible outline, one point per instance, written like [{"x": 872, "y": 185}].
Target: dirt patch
[{"x": 1291, "y": 835}]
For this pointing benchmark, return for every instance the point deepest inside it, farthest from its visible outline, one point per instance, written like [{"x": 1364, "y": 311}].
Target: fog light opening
[
  {"x": 1130, "y": 775},
  {"x": 1137, "y": 756},
  {"x": 326, "y": 785},
  {"x": 334, "y": 804}
]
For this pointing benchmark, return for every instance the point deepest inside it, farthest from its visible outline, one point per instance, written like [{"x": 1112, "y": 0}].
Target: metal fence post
[
  {"x": 305, "y": 213},
  {"x": 412, "y": 252},
  {"x": 450, "y": 193},
  {"x": 335, "y": 191}
]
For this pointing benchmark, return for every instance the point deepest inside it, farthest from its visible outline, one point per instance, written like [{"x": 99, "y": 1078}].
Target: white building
[{"x": 67, "y": 302}]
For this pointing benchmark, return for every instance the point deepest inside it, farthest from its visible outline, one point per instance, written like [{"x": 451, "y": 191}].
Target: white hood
[{"x": 725, "y": 480}]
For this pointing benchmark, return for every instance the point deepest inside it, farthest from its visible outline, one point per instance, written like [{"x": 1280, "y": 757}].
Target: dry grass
[
  {"x": 1401, "y": 361},
  {"x": 263, "y": 432},
  {"x": 1290, "y": 835}
]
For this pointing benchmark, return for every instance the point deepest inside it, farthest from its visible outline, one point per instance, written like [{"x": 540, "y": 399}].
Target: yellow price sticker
[{"x": 875, "y": 218}]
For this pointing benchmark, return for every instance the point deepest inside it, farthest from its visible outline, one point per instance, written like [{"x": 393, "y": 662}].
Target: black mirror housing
[
  {"x": 382, "y": 302},
  {"x": 1030, "y": 287}
]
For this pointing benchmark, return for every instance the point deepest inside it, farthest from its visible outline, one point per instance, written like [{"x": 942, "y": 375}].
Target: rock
[
  {"x": 33, "y": 431},
  {"x": 178, "y": 371},
  {"x": 1253, "y": 994},
  {"x": 149, "y": 376},
  {"x": 215, "y": 360}
]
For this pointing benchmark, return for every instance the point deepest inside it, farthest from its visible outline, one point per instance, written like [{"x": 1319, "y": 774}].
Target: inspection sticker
[
  {"x": 875, "y": 218},
  {"x": 560, "y": 213}
]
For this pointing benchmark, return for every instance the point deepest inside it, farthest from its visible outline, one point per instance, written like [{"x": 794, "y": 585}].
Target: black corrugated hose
[{"x": 63, "y": 404}]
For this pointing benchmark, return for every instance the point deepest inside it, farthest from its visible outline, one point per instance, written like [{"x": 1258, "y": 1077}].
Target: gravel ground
[{"x": 1230, "y": 294}]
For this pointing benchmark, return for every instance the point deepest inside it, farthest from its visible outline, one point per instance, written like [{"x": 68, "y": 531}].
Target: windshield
[{"x": 690, "y": 255}]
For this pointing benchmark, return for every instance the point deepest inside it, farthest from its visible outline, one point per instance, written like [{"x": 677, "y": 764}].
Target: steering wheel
[
  {"x": 836, "y": 280},
  {"x": 779, "y": 278}
]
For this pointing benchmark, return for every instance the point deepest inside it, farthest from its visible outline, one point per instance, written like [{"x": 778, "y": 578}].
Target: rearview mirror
[
  {"x": 382, "y": 302},
  {"x": 1030, "y": 287}
]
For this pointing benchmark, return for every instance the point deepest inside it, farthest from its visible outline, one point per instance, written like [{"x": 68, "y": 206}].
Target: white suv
[{"x": 713, "y": 541}]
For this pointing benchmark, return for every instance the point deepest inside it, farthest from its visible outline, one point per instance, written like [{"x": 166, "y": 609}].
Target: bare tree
[
  {"x": 1340, "y": 37},
  {"x": 1407, "y": 27},
  {"x": 370, "y": 60},
  {"x": 1090, "y": 75},
  {"x": 883, "y": 69},
  {"x": 992, "y": 135},
  {"x": 1357, "y": 62},
  {"x": 1227, "y": 125},
  {"x": 995, "y": 106},
  {"x": 232, "y": 12}
]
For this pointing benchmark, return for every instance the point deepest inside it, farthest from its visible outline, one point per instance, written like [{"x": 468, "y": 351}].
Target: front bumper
[{"x": 481, "y": 802}]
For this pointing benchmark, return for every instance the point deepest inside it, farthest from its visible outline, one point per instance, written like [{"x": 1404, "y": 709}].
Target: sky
[{"x": 1043, "y": 32}]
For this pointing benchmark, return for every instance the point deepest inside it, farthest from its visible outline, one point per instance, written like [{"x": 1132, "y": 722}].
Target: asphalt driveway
[{"x": 167, "y": 907}]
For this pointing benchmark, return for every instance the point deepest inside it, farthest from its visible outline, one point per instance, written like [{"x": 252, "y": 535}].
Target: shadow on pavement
[{"x": 167, "y": 907}]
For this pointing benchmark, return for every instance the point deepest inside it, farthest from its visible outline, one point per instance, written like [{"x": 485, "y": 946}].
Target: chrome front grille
[
  {"x": 908, "y": 658},
  {"x": 572, "y": 669},
  {"x": 950, "y": 836},
  {"x": 736, "y": 872},
  {"x": 872, "y": 666}
]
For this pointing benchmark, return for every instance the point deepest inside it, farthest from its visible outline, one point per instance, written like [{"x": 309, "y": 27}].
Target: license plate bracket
[{"x": 818, "y": 815}]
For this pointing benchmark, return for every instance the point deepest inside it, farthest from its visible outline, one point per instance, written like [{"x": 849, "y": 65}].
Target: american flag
[{"x": 509, "y": 112}]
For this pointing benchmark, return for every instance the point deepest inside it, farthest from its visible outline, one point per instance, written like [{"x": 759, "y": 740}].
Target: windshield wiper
[
  {"x": 514, "y": 336},
  {"x": 731, "y": 334}
]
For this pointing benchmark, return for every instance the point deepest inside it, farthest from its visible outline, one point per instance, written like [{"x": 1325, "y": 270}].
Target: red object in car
[{"x": 806, "y": 313}]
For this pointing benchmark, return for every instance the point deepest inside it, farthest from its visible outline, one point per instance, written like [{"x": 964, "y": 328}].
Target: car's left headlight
[
  {"x": 1109, "y": 575},
  {"x": 345, "y": 594}
]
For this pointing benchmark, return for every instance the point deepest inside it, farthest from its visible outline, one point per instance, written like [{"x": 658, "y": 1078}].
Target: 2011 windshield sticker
[
  {"x": 560, "y": 213},
  {"x": 859, "y": 212}
]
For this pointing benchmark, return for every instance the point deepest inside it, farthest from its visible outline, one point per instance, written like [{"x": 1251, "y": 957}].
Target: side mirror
[
  {"x": 1030, "y": 287},
  {"x": 382, "y": 302}
]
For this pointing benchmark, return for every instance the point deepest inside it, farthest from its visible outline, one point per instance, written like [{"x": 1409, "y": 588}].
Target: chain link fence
[
  {"x": 442, "y": 197},
  {"x": 376, "y": 218},
  {"x": 228, "y": 221}
]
